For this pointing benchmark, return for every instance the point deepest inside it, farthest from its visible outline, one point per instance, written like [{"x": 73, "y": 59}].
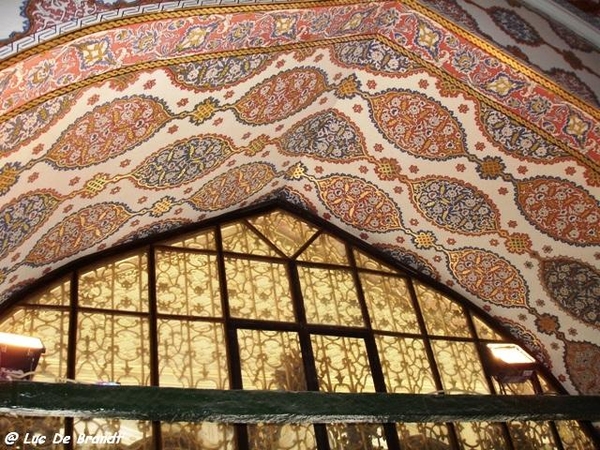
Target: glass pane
[
  {"x": 287, "y": 232},
  {"x": 523, "y": 388},
  {"x": 120, "y": 285},
  {"x": 405, "y": 365},
  {"x": 258, "y": 290},
  {"x": 205, "y": 240},
  {"x": 330, "y": 297},
  {"x": 271, "y": 360},
  {"x": 572, "y": 436},
  {"x": 459, "y": 367},
  {"x": 342, "y": 364},
  {"x": 531, "y": 435},
  {"x": 239, "y": 238},
  {"x": 366, "y": 262},
  {"x": 204, "y": 435},
  {"x": 111, "y": 434},
  {"x": 442, "y": 316},
  {"x": 484, "y": 331},
  {"x": 52, "y": 327},
  {"x": 356, "y": 436},
  {"x": 326, "y": 249},
  {"x": 423, "y": 436},
  {"x": 187, "y": 284},
  {"x": 51, "y": 428},
  {"x": 192, "y": 354},
  {"x": 281, "y": 437},
  {"x": 112, "y": 348},
  {"x": 389, "y": 304},
  {"x": 58, "y": 295},
  {"x": 481, "y": 435}
]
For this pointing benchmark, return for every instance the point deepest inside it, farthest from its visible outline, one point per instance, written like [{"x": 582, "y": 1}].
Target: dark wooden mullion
[
  {"x": 308, "y": 356},
  {"x": 264, "y": 238},
  {"x": 488, "y": 378},
  {"x": 153, "y": 330},
  {"x": 307, "y": 244},
  {"x": 72, "y": 347},
  {"x": 452, "y": 434},
  {"x": 231, "y": 342},
  {"x": 391, "y": 435}
]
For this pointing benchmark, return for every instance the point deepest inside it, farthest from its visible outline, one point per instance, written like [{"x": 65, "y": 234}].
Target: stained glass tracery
[{"x": 262, "y": 303}]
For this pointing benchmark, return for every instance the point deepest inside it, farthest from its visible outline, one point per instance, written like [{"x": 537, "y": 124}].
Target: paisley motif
[
  {"x": 582, "y": 360},
  {"x": 281, "y": 96},
  {"x": 78, "y": 232},
  {"x": 20, "y": 218},
  {"x": 218, "y": 73},
  {"x": 27, "y": 126},
  {"x": 515, "y": 26},
  {"x": 455, "y": 205},
  {"x": 359, "y": 203},
  {"x": 182, "y": 162},
  {"x": 329, "y": 135},
  {"x": 233, "y": 186},
  {"x": 376, "y": 57},
  {"x": 488, "y": 276},
  {"x": 517, "y": 140},
  {"x": 560, "y": 209},
  {"x": 107, "y": 131},
  {"x": 418, "y": 125},
  {"x": 574, "y": 286}
]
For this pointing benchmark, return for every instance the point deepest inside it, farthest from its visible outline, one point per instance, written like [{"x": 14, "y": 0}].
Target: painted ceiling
[{"x": 460, "y": 137}]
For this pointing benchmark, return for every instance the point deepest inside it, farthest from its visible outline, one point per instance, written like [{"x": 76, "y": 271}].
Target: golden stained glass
[
  {"x": 484, "y": 331},
  {"x": 330, "y": 297},
  {"x": 481, "y": 435},
  {"x": 459, "y": 367},
  {"x": 112, "y": 347},
  {"x": 326, "y": 249},
  {"x": 52, "y": 327},
  {"x": 531, "y": 436},
  {"x": 281, "y": 437},
  {"x": 119, "y": 285},
  {"x": 443, "y": 317},
  {"x": 366, "y": 262},
  {"x": 389, "y": 303},
  {"x": 238, "y": 238},
  {"x": 342, "y": 364},
  {"x": 423, "y": 436},
  {"x": 187, "y": 284},
  {"x": 192, "y": 354},
  {"x": 201, "y": 436},
  {"x": 112, "y": 434},
  {"x": 356, "y": 436},
  {"x": 572, "y": 436},
  {"x": 287, "y": 232},
  {"x": 405, "y": 365},
  {"x": 271, "y": 360},
  {"x": 205, "y": 240},
  {"x": 522, "y": 388},
  {"x": 57, "y": 295},
  {"x": 258, "y": 290}
]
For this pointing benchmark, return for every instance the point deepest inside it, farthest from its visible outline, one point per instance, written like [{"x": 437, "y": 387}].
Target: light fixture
[
  {"x": 509, "y": 363},
  {"x": 19, "y": 356}
]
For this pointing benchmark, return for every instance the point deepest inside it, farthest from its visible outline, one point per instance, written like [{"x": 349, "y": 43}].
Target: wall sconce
[
  {"x": 509, "y": 363},
  {"x": 19, "y": 356}
]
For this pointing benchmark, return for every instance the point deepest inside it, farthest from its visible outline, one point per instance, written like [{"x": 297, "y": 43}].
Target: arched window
[{"x": 272, "y": 300}]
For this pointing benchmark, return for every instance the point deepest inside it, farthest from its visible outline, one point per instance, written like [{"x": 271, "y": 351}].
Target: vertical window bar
[
  {"x": 391, "y": 435},
  {"x": 72, "y": 347},
  {"x": 231, "y": 342},
  {"x": 308, "y": 357},
  {"x": 153, "y": 330},
  {"x": 454, "y": 441}
]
